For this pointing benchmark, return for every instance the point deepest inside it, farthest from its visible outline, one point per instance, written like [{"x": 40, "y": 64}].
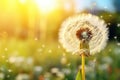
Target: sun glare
[
  {"x": 46, "y": 6},
  {"x": 22, "y": 1}
]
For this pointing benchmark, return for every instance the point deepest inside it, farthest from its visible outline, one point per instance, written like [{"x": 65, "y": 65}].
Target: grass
[{"x": 51, "y": 54}]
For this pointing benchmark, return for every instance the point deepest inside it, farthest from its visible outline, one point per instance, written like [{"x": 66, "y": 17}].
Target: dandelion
[
  {"x": 84, "y": 34},
  {"x": 87, "y": 26},
  {"x": 38, "y": 69},
  {"x": 54, "y": 70},
  {"x": 23, "y": 76}
]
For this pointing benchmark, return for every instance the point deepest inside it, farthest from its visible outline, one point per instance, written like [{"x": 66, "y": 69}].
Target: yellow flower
[{"x": 83, "y": 27}]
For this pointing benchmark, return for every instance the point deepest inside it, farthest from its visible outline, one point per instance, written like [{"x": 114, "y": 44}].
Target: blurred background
[{"x": 29, "y": 47}]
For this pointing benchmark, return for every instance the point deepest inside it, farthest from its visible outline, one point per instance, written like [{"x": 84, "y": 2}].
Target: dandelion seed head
[{"x": 90, "y": 27}]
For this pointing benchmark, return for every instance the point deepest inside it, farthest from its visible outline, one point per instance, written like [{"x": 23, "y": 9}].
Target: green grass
[{"x": 51, "y": 54}]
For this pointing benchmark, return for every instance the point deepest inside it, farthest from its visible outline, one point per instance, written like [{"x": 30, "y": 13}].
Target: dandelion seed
[
  {"x": 9, "y": 70},
  {"x": 8, "y": 76},
  {"x": 3, "y": 56},
  {"x": 83, "y": 27},
  {"x": 68, "y": 64},
  {"x": 115, "y": 37},
  {"x": 38, "y": 69},
  {"x": 118, "y": 44},
  {"x": 107, "y": 60},
  {"x": 103, "y": 67},
  {"x": 64, "y": 54},
  {"x": 39, "y": 50},
  {"x": 36, "y": 39},
  {"x": 94, "y": 3},
  {"x": 109, "y": 50},
  {"x": 109, "y": 23},
  {"x": 6, "y": 49},
  {"x": 110, "y": 15},
  {"x": 117, "y": 51},
  {"x": 50, "y": 51},
  {"x": 101, "y": 16},
  {"x": 58, "y": 46},
  {"x": 63, "y": 60},
  {"x": 12, "y": 59},
  {"x": 66, "y": 71},
  {"x": 105, "y": 7},
  {"x": 43, "y": 46},
  {"x": 7, "y": 61},
  {"x": 118, "y": 25},
  {"x": 60, "y": 75}
]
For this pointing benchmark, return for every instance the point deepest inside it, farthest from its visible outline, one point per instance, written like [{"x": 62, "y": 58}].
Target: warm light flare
[
  {"x": 46, "y": 5},
  {"x": 22, "y": 1}
]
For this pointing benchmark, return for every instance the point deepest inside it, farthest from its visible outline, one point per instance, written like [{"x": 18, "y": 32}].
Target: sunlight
[
  {"x": 46, "y": 5},
  {"x": 22, "y": 1}
]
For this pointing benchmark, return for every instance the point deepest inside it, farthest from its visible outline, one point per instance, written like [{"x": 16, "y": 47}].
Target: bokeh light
[
  {"x": 29, "y": 48},
  {"x": 46, "y": 5}
]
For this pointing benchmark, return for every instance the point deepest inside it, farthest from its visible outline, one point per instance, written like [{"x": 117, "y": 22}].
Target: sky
[{"x": 100, "y": 4}]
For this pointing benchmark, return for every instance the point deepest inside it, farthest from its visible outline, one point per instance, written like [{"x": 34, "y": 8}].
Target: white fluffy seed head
[{"x": 69, "y": 40}]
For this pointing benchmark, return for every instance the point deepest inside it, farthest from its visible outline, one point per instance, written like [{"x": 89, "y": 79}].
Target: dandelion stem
[{"x": 83, "y": 67}]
